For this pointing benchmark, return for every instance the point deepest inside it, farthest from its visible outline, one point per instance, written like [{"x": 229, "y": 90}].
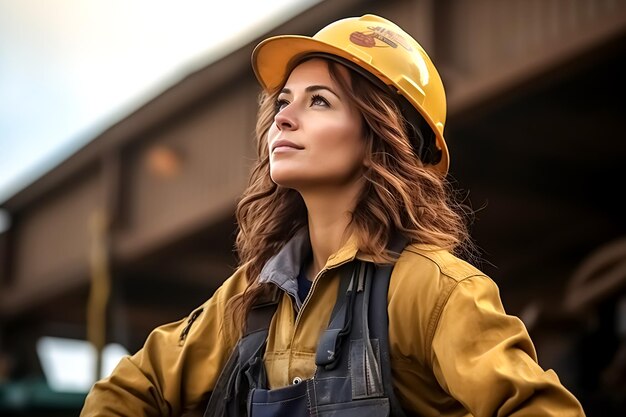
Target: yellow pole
[{"x": 100, "y": 286}]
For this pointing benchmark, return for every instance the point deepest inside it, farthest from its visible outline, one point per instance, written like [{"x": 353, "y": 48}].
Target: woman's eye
[
  {"x": 280, "y": 104},
  {"x": 318, "y": 100}
]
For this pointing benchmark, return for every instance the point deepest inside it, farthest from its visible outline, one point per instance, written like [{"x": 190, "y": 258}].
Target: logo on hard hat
[{"x": 386, "y": 36}]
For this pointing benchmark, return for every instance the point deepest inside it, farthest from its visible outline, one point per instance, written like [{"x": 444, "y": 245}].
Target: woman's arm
[
  {"x": 177, "y": 367},
  {"x": 486, "y": 360}
]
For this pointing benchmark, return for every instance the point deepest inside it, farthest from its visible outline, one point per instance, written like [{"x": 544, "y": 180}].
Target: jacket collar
[{"x": 283, "y": 268}]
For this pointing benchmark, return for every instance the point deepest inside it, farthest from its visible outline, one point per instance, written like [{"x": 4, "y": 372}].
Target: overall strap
[
  {"x": 379, "y": 325},
  {"x": 334, "y": 337},
  {"x": 352, "y": 358},
  {"x": 228, "y": 396}
]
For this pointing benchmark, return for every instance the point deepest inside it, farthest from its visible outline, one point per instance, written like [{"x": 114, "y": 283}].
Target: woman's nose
[{"x": 285, "y": 119}]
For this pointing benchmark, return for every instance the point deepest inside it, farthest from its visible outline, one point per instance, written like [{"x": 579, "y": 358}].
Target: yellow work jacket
[{"x": 454, "y": 350}]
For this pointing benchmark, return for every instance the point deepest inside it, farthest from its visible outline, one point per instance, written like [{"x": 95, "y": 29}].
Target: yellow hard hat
[{"x": 376, "y": 45}]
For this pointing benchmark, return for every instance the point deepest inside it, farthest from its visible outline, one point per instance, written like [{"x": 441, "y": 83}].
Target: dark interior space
[{"x": 544, "y": 171}]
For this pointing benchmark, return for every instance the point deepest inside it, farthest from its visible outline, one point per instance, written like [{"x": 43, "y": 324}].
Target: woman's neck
[{"x": 328, "y": 217}]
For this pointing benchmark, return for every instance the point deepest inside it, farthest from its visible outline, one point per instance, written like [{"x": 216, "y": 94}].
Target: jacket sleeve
[
  {"x": 176, "y": 368},
  {"x": 486, "y": 360}
]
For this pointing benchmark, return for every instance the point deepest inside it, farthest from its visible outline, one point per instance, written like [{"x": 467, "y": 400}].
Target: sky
[{"x": 69, "y": 69}]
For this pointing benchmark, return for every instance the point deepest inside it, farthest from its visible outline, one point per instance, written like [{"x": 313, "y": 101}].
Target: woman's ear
[
  {"x": 366, "y": 149},
  {"x": 367, "y": 161}
]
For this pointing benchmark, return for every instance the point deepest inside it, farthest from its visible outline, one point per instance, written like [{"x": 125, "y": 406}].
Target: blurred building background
[{"x": 144, "y": 211}]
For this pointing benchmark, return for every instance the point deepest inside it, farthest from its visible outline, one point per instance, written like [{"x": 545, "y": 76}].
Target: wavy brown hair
[{"x": 400, "y": 193}]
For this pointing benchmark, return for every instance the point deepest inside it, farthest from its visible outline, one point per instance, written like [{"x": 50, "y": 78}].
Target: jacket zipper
[{"x": 308, "y": 296}]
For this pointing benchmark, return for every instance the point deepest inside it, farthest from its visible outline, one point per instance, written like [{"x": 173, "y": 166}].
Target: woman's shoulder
[
  {"x": 212, "y": 314},
  {"x": 426, "y": 276},
  {"x": 436, "y": 263},
  {"x": 423, "y": 281}
]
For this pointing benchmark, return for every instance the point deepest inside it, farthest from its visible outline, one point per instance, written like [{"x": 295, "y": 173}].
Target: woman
[{"x": 350, "y": 174}]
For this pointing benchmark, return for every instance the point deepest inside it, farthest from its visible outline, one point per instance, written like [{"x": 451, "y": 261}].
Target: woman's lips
[{"x": 285, "y": 146}]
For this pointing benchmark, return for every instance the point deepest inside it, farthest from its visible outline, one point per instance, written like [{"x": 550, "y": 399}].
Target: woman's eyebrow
[{"x": 311, "y": 89}]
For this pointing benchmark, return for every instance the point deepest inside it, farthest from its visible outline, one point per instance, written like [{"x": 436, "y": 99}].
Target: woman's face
[{"x": 316, "y": 139}]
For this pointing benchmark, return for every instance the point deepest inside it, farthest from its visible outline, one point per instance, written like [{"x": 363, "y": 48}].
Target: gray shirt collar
[{"x": 283, "y": 268}]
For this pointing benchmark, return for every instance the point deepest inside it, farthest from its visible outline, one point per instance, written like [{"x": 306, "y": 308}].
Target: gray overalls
[{"x": 353, "y": 375}]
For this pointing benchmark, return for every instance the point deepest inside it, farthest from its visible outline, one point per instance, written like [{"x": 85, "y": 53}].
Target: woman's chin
[
  {"x": 284, "y": 172},
  {"x": 286, "y": 180}
]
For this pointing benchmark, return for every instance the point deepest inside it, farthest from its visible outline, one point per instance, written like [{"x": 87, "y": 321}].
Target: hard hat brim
[{"x": 272, "y": 57}]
